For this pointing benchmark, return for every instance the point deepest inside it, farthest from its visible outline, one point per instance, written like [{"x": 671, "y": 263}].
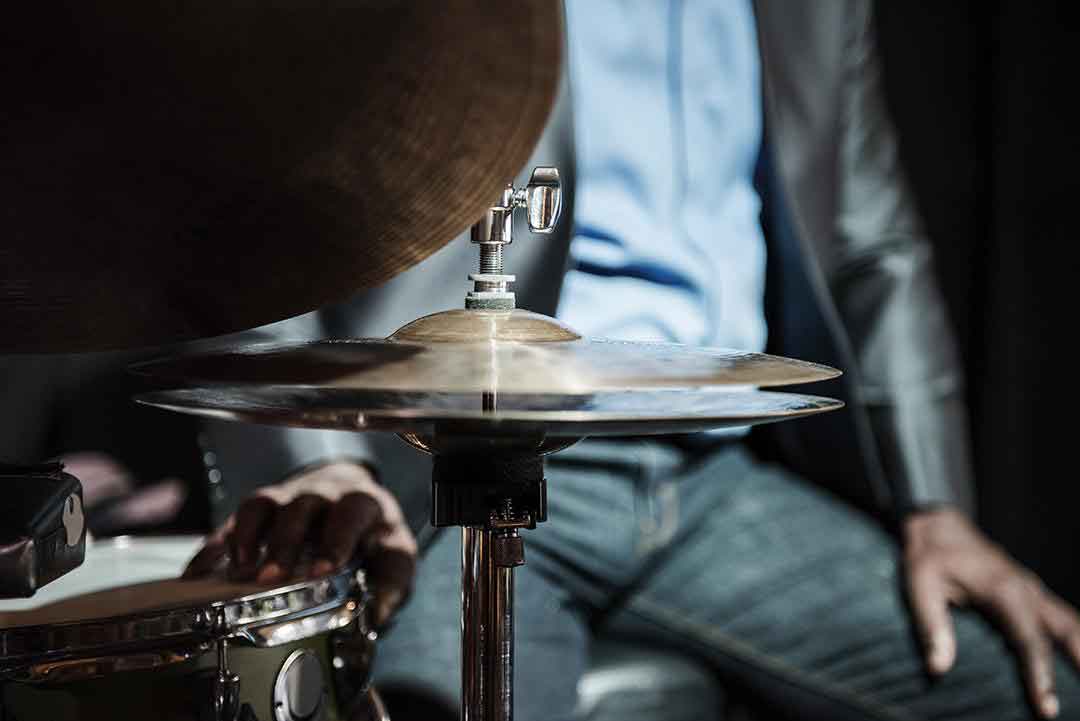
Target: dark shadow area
[{"x": 981, "y": 94}]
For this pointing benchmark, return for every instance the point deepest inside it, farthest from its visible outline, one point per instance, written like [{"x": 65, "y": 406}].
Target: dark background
[{"x": 981, "y": 93}]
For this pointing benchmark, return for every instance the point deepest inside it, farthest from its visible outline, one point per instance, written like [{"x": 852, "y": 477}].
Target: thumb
[{"x": 206, "y": 560}]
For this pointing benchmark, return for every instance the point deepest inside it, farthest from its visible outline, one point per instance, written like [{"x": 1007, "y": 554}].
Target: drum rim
[{"x": 186, "y": 622}]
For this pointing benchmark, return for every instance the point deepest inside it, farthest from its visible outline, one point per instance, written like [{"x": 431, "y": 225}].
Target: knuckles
[
  {"x": 1015, "y": 593},
  {"x": 306, "y": 502},
  {"x": 344, "y": 495}
]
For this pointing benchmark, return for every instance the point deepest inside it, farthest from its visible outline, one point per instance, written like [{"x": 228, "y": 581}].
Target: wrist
[
  {"x": 358, "y": 469},
  {"x": 939, "y": 524}
]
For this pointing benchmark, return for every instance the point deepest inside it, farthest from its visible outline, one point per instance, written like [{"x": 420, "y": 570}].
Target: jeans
[{"x": 780, "y": 589}]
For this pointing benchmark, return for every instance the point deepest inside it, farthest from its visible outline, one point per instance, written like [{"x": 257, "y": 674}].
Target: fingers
[
  {"x": 206, "y": 560},
  {"x": 390, "y": 558},
  {"x": 391, "y": 571},
  {"x": 252, "y": 520},
  {"x": 1063, "y": 623},
  {"x": 973, "y": 569},
  {"x": 373, "y": 523},
  {"x": 338, "y": 509},
  {"x": 929, "y": 598},
  {"x": 213, "y": 552},
  {"x": 349, "y": 521},
  {"x": 1016, "y": 604},
  {"x": 290, "y": 528}
]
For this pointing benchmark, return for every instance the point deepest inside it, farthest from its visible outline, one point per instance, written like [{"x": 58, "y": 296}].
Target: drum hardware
[
  {"x": 42, "y": 527},
  {"x": 266, "y": 619},
  {"x": 492, "y": 497},
  {"x": 225, "y": 687},
  {"x": 542, "y": 197},
  {"x": 488, "y": 391},
  {"x": 351, "y": 649},
  {"x": 489, "y": 554},
  {"x": 279, "y": 633},
  {"x": 208, "y": 653},
  {"x": 300, "y": 689},
  {"x": 91, "y": 667}
]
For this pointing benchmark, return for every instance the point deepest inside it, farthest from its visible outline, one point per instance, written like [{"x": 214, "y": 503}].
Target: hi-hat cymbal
[
  {"x": 469, "y": 352},
  {"x": 609, "y": 413},
  {"x": 511, "y": 375},
  {"x": 179, "y": 171}
]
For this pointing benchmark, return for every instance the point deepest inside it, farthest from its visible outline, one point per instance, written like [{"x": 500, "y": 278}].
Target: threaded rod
[{"x": 491, "y": 259}]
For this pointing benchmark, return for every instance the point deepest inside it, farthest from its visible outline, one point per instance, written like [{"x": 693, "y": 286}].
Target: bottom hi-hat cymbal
[{"x": 634, "y": 412}]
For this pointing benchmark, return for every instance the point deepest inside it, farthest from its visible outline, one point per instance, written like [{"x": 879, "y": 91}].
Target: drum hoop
[{"x": 186, "y": 622}]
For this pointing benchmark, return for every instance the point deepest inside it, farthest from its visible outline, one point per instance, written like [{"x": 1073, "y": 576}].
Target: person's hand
[
  {"x": 949, "y": 561},
  {"x": 339, "y": 511}
]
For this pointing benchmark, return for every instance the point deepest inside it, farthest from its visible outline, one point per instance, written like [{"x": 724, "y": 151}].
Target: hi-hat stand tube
[
  {"x": 487, "y": 631},
  {"x": 475, "y": 575},
  {"x": 492, "y": 498},
  {"x": 500, "y": 701}
]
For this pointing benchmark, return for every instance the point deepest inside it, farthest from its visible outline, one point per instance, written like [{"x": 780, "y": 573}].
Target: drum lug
[
  {"x": 352, "y": 655},
  {"x": 220, "y": 699},
  {"x": 372, "y": 708},
  {"x": 226, "y": 697},
  {"x": 225, "y": 686}
]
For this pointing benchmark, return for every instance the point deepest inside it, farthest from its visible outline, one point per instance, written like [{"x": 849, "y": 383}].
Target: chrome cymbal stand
[
  {"x": 492, "y": 498},
  {"x": 493, "y": 494}
]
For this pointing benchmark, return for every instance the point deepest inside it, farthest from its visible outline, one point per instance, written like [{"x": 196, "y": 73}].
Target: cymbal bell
[{"x": 184, "y": 171}]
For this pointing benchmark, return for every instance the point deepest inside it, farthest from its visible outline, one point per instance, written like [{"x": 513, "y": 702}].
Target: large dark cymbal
[
  {"x": 186, "y": 170},
  {"x": 449, "y": 353}
]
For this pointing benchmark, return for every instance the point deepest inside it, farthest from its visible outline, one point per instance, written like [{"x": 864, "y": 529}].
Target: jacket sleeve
[{"x": 882, "y": 278}]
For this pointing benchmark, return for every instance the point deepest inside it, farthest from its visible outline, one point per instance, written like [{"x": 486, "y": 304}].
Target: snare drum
[{"x": 122, "y": 638}]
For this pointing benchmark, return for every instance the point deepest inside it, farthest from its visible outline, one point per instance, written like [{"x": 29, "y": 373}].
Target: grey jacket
[{"x": 861, "y": 257}]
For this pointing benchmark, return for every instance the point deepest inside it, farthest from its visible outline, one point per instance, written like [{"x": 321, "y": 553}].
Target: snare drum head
[{"x": 120, "y": 577}]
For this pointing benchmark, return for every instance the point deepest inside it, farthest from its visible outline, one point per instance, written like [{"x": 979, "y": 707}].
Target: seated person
[{"x": 695, "y": 543}]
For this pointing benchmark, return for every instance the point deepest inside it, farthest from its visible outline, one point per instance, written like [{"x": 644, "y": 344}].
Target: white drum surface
[{"x": 121, "y": 576}]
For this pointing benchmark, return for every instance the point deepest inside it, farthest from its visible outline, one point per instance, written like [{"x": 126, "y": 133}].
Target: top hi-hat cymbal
[
  {"x": 479, "y": 351},
  {"x": 179, "y": 171}
]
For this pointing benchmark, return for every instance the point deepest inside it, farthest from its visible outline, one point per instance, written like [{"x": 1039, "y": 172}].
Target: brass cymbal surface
[
  {"x": 510, "y": 378},
  {"x": 176, "y": 171},
  {"x": 496, "y": 352},
  {"x": 636, "y": 412}
]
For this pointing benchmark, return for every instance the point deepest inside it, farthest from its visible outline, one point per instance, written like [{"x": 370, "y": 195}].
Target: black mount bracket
[{"x": 468, "y": 489}]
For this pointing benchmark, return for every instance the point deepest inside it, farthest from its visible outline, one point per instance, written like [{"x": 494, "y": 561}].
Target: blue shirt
[{"x": 668, "y": 122}]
